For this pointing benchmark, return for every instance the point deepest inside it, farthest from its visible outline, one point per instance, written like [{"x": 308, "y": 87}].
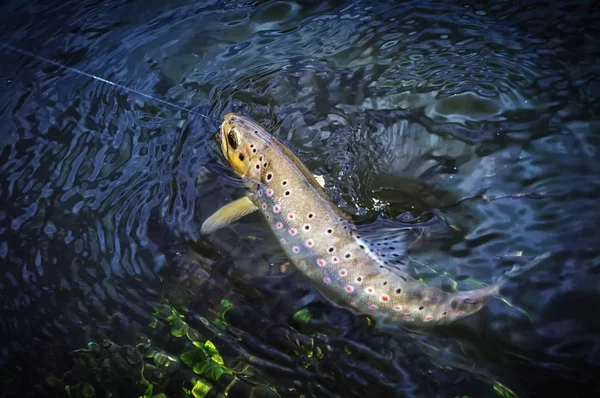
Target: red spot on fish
[
  {"x": 321, "y": 262},
  {"x": 296, "y": 249},
  {"x": 264, "y": 206},
  {"x": 353, "y": 304},
  {"x": 459, "y": 313},
  {"x": 293, "y": 231},
  {"x": 343, "y": 272},
  {"x": 291, "y": 216},
  {"x": 384, "y": 298},
  {"x": 428, "y": 318},
  {"x": 369, "y": 290},
  {"x": 282, "y": 240},
  {"x": 279, "y": 225},
  {"x": 303, "y": 264},
  {"x": 398, "y": 308},
  {"x": 270, "y": 192},
  {"x": 406, "y": 317},
  {"x": 349, "y": 289},
  {"x": 373, "y": 307},
  {"x": 359, "y": 279},
  {"x": 276, "y": 209},
  {"x": 335, "y": 260},
  {"x": 327, "y": 280},
  {"x": 309, "y": 243}
]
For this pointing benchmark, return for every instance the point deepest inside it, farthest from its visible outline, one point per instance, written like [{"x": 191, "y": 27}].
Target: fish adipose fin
[{"x": 228, "y": 214}]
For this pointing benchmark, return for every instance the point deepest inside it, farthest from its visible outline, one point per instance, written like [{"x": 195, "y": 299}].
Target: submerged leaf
[
  {"x": 148, "y": 392},
  {"x": 214, "y": 353},
  {"x": 201, "y": 388},
  {"x": 179, "y": 328},
  {"x": 227, "y": 305},
  {"x": 503, "y": 391},
  {"x": 303, "y": 316},
  {"x": 88, "y": 391}
]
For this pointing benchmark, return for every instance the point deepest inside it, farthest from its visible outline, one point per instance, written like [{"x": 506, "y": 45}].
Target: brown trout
[{"x": 347, "y": 267}]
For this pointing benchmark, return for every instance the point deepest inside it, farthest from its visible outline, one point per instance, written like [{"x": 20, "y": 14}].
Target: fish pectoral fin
[
  {"x": 320, "y": 180},
  {"x": 228, "y": 214}
]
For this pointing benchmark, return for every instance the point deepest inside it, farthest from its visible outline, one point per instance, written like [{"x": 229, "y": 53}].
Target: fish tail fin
[
  {"x": 519, "y": 270},
  {"x": 513, "y": 273}
]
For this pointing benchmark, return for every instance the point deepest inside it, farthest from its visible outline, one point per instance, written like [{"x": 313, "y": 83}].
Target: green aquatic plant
[
  {"x": 205, "y": 361},
  {"x": 149, "y": 393},
  {"x": 303, "y": 316},
  {"x": 220, "y": 321},
  {"x": 503, "y": 391}
]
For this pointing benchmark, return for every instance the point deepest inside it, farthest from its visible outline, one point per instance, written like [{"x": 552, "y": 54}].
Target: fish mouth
[{"x": 221, "y": 135}]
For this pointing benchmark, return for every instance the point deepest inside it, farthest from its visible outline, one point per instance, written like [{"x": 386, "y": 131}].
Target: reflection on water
[{"x": 404, "y": 109}]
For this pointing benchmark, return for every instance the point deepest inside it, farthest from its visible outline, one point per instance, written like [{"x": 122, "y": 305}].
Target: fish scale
[{"x": 324, "y": 244}]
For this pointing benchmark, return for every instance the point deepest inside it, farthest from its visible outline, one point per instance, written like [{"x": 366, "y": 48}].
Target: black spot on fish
[
  {"x": 255, "y": 131},
  {"x": 391, "y": 248},
  {"x": 357, "y": 236},
  {"x": 251, "y": 145},
  {"x": 254, "y": 150},
  {"x": 421, "y": 308},
  {"x": 310, "y": 215},
  {"x": 398, "y": 291},
  {"x": 265, "y": 164},
  {"x": 348, "y": 255},
  {"x": 241, "y": 157},
  {"x": 329, "y": 231},
  {"x": 258, "y": 166},
  {"x": 331, "y": 249},
  {"x": 396, "y": 255},
  {"x": 384, "y": 283},
  {"x": 362, "y": 247},
  {"x": 287, "y": 193},
  {"x": 383, "y": 255},
  {"x": 284, "y": 182},
  {"x": 269, "y": 176},
  {"x": 445, "y": 313},
  {"x": 260, "y": 158}
]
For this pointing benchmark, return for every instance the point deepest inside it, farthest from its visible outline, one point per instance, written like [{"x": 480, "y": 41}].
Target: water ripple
[{"x": 404, "y": 108}]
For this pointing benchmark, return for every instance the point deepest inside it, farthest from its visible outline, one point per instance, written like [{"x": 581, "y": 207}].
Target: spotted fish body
[{"x": 324, "y": 244}]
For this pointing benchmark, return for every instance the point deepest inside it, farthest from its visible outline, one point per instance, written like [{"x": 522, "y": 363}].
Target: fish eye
[{"x": 232, "y": 139}]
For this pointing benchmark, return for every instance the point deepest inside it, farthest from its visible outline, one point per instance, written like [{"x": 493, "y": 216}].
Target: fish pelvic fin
[{"x": 228, "y": 214}]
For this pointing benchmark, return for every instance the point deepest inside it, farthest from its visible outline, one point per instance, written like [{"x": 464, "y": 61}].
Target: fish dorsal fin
[
  {"x": 388, "y": 243},
  {"x": 228, "y": 214}
]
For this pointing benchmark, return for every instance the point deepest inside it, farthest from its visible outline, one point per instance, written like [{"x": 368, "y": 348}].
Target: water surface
[{"x": 404, "y": 108}]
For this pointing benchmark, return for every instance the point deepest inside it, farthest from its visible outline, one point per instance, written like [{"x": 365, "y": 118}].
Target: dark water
[{"x": 403, "y": 107}]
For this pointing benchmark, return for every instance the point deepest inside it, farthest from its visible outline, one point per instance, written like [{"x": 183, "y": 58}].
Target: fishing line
[{"x": 100, "y": 79}]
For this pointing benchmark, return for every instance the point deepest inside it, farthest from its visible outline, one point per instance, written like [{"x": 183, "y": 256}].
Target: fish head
[{"x": 243, "y": 142}]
